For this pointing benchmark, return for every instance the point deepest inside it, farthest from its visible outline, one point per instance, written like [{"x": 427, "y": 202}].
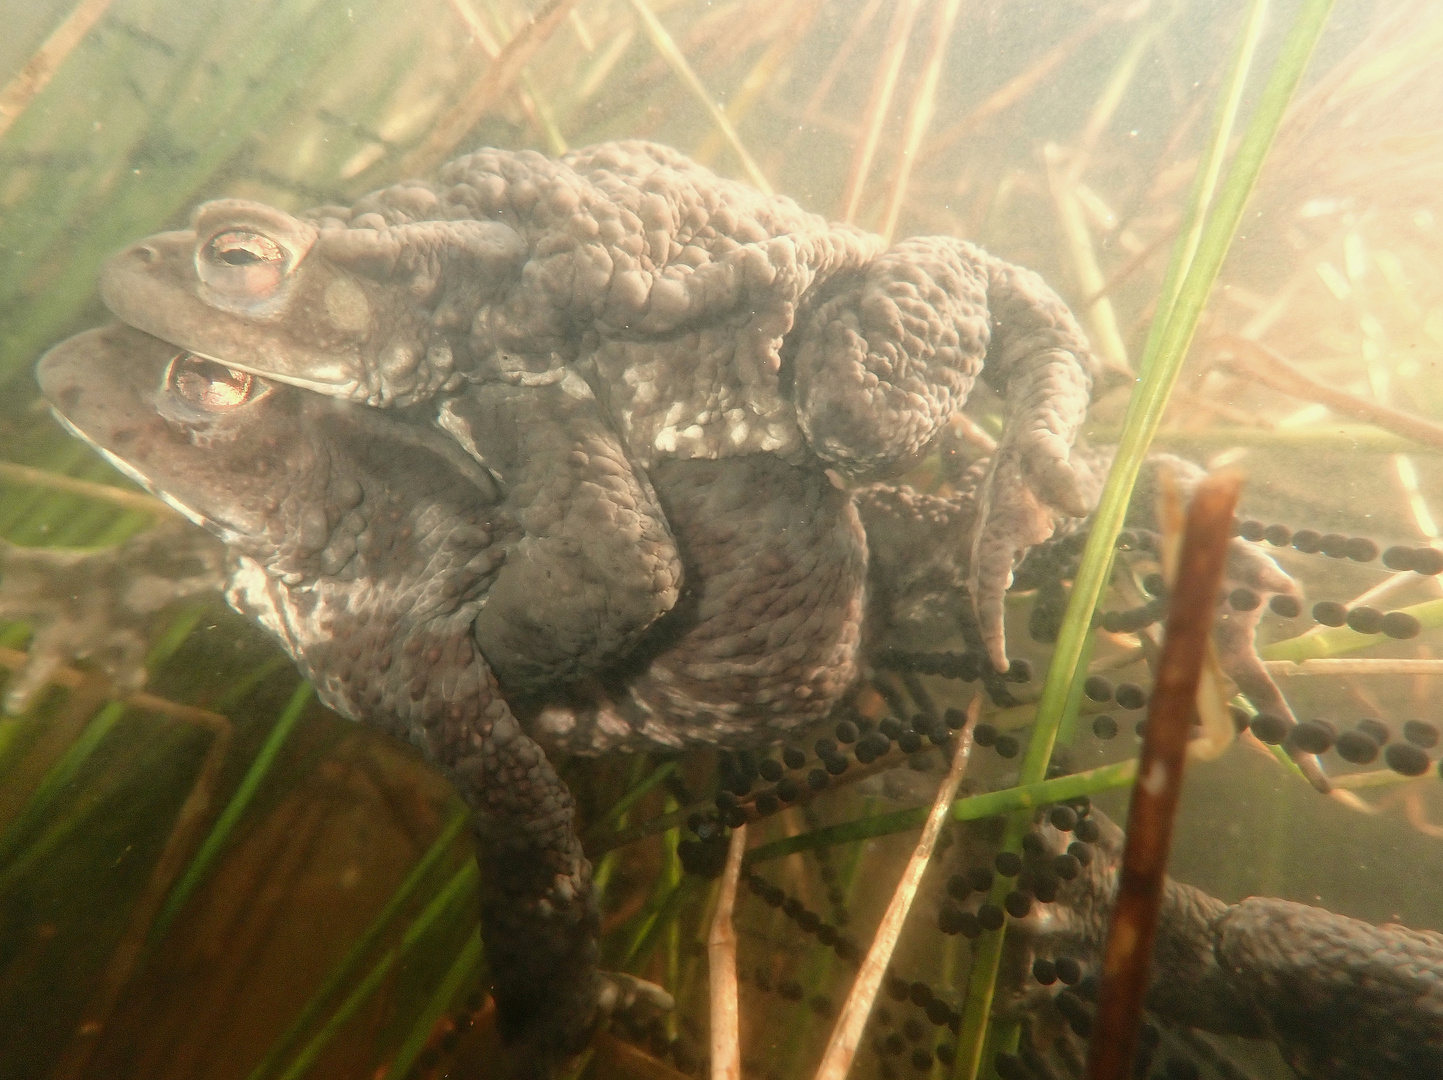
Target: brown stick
[
  {"x": 185, "y": 838},
  {"x": 721, "y": 956},
  {"x": 20, "y": 91},
  {"x": 1159, "y": 778},
  {"x": 861, "y": 26},
  {"x": 878, "y": 106},
  {"x": 1261, "y": 364},
  {"x": 1018, "y": 87},
  {"x": 491, "y": 49},
  {"x": 71, "y": 679},
  {"x": 131, "y": 500},
  {"x": 920, "y": 114},
  {"x": 667, "y": 48},
  {"x": 618, "y": 1060},
  {"x": 500, "y": 75}
]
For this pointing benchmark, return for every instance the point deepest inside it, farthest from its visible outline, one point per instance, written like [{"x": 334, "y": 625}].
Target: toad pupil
[{"x": 206, "y": 384}]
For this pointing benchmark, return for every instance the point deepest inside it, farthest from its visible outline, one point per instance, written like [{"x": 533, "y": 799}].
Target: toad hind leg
[
  {"x": 887, "y": 358},
  {"x": 1341, "y": 998}
]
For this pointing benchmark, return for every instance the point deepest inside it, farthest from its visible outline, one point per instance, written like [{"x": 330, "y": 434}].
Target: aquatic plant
[{"x": 216, "y": 794}]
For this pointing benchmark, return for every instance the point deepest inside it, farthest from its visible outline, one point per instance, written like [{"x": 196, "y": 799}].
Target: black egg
[
  {"x": 1421, "y": 733},
  {"x": 1313, "y": 736},
  {"x": 1285, "y": 605},
  {"x": 1356, "y": 748},
  {"x": 1406, "y": 759},
  {"x": 1131, "y": 696},
  {"x": 1269, "y": 728},
  {"x": 1401, "y": 625}
]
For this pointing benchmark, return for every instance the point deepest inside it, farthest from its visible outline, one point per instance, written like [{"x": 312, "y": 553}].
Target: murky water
[{"x": 224, "y": 879}]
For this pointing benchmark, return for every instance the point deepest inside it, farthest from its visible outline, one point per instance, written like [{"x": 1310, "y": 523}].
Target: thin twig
[
  {"x": 184, "y": 837},
  {"x": 498, "y": 78},
  {"x": 1121, "y": 275},
  {"x": 1384, "y": 666},
  {"x": 883, "y": 86},
  {"x": 1100, "y": 317},
  {"x": 973, "y": 808},
  {"x": 71, "y": 679},
  {"x": 847, "y": 1033},
  {"x": 721, "y": 955},
  {"x": 1018, "y": 87},
  {"x": 20, "y": 91},
  {"x": 485, "y": 40},
  {"x": 1251, "y": 360},
  {"x": 131, "y": 500},
  {"x": 491, "y": 49},
  {"x": 923, "y": 104},
  {"x": 762, "y": 75},
  {"x": 861, "y": 23},
  {"x": 662, "y": 41},
  {"x": 624, "y": 1060},
  {"x": 1155, "y": 796},
  {"x": 1371, "y": 779},
  {"x": 969, "y": 431},
  {"x": 1343, "y": 438}
]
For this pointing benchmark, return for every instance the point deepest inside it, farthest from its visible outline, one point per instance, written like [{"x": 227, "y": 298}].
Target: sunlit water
[{"x": 1061, "y": 137}]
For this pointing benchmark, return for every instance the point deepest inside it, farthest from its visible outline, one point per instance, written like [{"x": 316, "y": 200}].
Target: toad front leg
[
  {"x": 596, "y": 565},
  {"x": 882, "y": 365},
  {"x": 368, "y": 544},
  {"x": 538, "y": 915}
]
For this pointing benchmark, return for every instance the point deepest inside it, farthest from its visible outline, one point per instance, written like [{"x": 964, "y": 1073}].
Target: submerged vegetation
[{"x": 216, "y": 878}]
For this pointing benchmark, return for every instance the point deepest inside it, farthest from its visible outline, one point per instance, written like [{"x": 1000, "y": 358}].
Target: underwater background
[{"x": 220, "y": 878}]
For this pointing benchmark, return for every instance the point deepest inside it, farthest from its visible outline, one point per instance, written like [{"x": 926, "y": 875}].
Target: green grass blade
[
  {"x": 1158, "y": 372},
  {"x": 1206, "y": 178},
  {"x": 59, "y": 778},
  {"x": 1338, "y": 640},
  {"x": 629, "y": 799},
  {"x": 362, "y": 946},
  {"x": 462, "y": 885},
  {"x": 465, "y": 964},
  {"x": 64, "y": 770},
  {"x": 660, "y": 910},
  {"x": 231, "y": 815},
  {"x": 973, "y": 808}
]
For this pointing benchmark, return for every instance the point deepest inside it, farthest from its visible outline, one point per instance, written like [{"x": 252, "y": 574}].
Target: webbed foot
[
  {"x": 626, "y": 999},
  {"x": 1011, "y": 518},
  {"x": 1040, "y": 357},
  {"x": 886, "y": 360},
  {"x": 1251, "y": 578},
  {"x": 100, "y": 605}
]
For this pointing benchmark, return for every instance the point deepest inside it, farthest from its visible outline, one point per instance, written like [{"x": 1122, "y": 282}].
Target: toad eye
[
  {"x": 210, "y": 387},
  {"x": 242, "y": 265}
]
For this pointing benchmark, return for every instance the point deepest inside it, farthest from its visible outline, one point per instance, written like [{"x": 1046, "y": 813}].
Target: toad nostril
[{"x": 145, "y": 253}]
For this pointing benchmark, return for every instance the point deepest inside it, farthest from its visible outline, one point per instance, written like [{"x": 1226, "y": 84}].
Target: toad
[
  {"x": 371, "y": 542},
  {"x": 554, "y": 452},
  {"x": 710, "y": 321}
]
